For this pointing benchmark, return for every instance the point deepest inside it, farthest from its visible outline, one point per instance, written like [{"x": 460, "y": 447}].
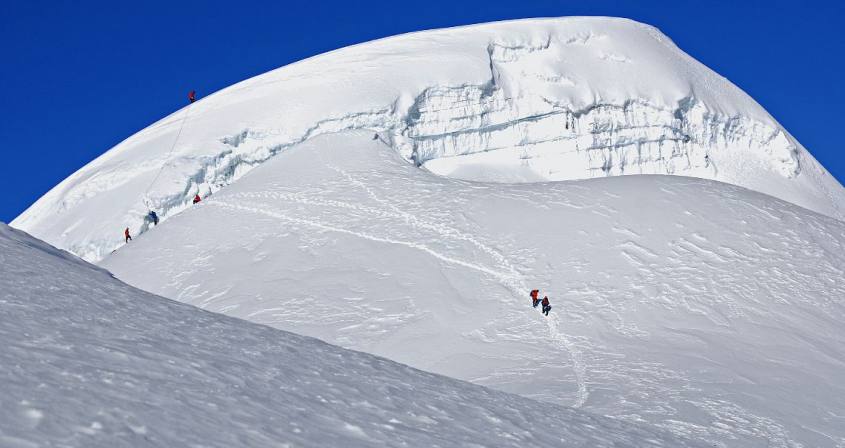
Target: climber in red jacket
[{"x": 534, "y": 299}]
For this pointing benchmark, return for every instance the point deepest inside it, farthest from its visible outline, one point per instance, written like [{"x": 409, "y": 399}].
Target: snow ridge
[{"x": 89, "y": 361}]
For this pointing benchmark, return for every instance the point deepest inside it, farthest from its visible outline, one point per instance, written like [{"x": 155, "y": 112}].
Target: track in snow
[
  {"x": 513, "y": 281},
  {"x": 89, "y": 361},
  {"x": 671, "y": 296}
]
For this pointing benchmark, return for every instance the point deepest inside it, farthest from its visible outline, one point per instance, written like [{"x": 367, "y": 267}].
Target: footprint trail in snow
[{"x": 342, "y": 240}]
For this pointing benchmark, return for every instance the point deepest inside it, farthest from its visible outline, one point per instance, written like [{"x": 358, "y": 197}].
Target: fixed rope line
[{"x": 169, "y": 153}]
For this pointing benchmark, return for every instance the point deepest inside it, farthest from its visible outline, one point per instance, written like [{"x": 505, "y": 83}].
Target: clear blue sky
[{"x": 77, "y": 77}]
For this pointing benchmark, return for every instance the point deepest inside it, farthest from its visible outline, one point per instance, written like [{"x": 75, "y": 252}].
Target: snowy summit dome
[{"x": 522, "y": 101}]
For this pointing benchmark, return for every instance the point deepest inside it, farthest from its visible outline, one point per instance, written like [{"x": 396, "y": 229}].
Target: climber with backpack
[
  {"x": 546, "y": 306},
  {"x": 197, "y": 198},
  {"x": 126, "y": 237},
  {"x": 534, "y": 299},
  {"x": 153, "y": 217},
  {"x": 192, "y": 96}
]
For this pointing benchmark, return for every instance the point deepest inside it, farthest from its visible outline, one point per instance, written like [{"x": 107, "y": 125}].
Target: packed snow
[
  {"x": 89, "y": 361},
  {"x": 401, "y": 197},
  {"x": 703, "y": 308},
  {"x": 523, "y": 101}
]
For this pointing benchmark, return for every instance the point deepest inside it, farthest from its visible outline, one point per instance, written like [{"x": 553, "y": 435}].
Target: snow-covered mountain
[
  {"x": 522, "y": 101},
  {"x": 89, "y": 361},
  {"x": 710, "y": 306},
  {"x": 703, "y": 308}
]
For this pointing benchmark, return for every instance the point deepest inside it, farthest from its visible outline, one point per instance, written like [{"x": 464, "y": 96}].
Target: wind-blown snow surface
[
  {"x": 523, "y": 101},
  {"x": 704, "y": 308},
  {"x": 89, "y": 361}
]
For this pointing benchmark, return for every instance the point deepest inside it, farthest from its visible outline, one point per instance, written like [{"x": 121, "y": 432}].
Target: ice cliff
[{"x": 523, "y": 101}]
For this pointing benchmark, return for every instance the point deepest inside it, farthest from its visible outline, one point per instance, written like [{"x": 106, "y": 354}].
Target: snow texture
[
  {"x": 706, "y": 309},
  {"x": 89, "y": 361},
  {"x": 523, "y": 101}
]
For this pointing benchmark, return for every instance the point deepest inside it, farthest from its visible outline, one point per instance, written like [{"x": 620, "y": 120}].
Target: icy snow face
[
  {"x": 704, "y": 308},
  {"x": 89, "y": 361},
  {"x": 523, "y": 101},
  {"x": 556, "y": 143}
]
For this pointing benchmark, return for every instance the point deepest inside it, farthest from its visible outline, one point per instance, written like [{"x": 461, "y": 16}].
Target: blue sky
[{"x": 78, "y": 77}]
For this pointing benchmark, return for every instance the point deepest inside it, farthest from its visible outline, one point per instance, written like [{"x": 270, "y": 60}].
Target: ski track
[
  {"x": 503, "y": 277},
  {"x": 370, "y": 204},
  {"x": 507, "y": 276},
  {"x": 517, "y": 288},
  {"x": 101, "y": 364},
  {"x": 359, "y": 203},
  {"x": 443, "y": 230}
]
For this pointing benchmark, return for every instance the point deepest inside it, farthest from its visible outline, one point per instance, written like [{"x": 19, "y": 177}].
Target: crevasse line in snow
[
  {"x": 607, "y": 139},
  {"x": 634, "y": 137},
  {"x": 615, "y": 139}
]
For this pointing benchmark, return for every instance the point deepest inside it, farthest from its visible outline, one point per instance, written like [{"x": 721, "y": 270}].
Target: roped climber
[
  {"x": 546, "y": 306},
  {"x": 192, "y": 96},
  {"x": 126, "y": 237},
  {"x": 153, "y": 217},
  {"x": 197, "y": 198},
  {"x": 534, "y": 299}
]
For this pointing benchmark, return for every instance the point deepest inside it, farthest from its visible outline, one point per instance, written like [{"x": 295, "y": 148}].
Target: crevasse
[
  {"x": 606, "y": 139},
  {"x": 635, "y": 137},
  {"x": 539, "y": 100}
]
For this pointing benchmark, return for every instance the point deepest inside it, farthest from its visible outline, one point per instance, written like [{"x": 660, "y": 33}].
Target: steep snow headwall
[{"x": 523, "y": 101}]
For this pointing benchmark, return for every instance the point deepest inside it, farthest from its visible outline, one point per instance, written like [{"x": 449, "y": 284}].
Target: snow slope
[
  {"x": 522, "y": 101},
  {"x": 89, "y": 361},
  {"x": 707, "y": 309}
]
